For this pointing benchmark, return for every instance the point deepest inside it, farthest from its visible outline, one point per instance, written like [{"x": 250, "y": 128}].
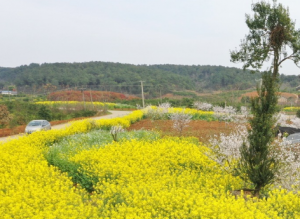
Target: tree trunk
[{"x": 256, "y": 191}]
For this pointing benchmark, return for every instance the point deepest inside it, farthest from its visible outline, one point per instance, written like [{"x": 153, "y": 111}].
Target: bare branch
[{"x": 288, "y": 57}]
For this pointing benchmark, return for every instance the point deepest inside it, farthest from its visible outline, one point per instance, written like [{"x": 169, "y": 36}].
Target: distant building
[{"x": 8, "y": 92}]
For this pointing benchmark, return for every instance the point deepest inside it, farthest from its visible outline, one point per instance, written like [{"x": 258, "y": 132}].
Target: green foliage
[
  {"x": 22, "y": 112},
  {"x": 107, "y": 76},
  {"x": 246, "y": 99},
  {"x": 125, "y": 78},
  {"x": 298, "y": 113},
  {"x": 44, "y": 112},
  {"x": 258, "y": 162},
  {"x": 185, "y": 93},
  {"x": 271, "y": 32},
  {"x": 84, "y": 113},
  {"x": 204, "y": 117},
  {"x": 123, "y": 106},
  {"x": 211, "y": 77}
]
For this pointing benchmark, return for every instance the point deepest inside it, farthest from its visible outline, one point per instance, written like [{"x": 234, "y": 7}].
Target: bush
[
  {"x": 84, "y": 113},
  {"x": 44, "y": 113},
  {"x": 298, "y": 113},
  {"x": 4, "y": 115}
]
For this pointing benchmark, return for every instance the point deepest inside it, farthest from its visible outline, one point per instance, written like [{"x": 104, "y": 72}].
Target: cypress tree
[{"x": 271, "y": 32}]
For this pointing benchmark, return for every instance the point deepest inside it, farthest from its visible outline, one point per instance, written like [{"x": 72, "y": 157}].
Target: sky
[{"x": 189, "y": 32}]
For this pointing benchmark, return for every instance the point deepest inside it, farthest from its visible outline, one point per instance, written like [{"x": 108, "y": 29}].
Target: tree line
[{"x": 158, "y": 78}]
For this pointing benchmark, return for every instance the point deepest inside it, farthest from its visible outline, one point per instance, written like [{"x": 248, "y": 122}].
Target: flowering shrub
[
  {"x": 226, "y": 151},
  {"x": 288, "y": 121},
  {"x": 180, "y": 121},
  {"x": 226, "y": 148},
  {"x": 203, "y": 106},
  {"x": 165, "y": 112},
  {"x": 289, "y": 155},
  {"x": 226, "y": 113},
  {"x": 164, "y": 106},
  {"x": 155, "y": 113},
  {"x": 244, "y": 111}
]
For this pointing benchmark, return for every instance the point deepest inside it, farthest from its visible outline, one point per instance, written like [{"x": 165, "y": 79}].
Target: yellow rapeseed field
[
  {"x": 74, "y": 103},
  {"x": 165, "y": 178},
  {"x": 291, "y": 108}
]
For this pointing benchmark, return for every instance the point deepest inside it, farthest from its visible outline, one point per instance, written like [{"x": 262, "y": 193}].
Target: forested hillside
[
  {"x": 214, "y": 77},
  {"x": 127, "y": 77}
]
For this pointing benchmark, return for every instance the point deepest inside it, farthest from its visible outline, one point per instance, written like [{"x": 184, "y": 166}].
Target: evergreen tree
[
  {"x": 258, "y": 162},
  {"x": 271, "y": 32}
]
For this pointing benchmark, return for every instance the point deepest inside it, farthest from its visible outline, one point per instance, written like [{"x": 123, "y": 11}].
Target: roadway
[{"x": 114, "y": 114}]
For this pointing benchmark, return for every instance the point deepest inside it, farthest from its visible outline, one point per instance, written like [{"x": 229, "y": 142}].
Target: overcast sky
[{"x": 187, "y": 32}]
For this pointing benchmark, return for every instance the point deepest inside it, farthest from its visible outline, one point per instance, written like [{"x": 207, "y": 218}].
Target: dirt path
[{"x": 113, "y": 114}]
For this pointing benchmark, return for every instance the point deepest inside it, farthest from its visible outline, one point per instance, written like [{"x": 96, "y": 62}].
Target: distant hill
[{"x": 117, "y": 77}]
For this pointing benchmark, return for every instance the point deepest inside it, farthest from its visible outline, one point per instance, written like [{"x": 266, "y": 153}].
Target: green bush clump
[
  {"x": 298, "y": 113},
  {"x": 205, "y": 117},
  {"x": 84, "y": 113}
]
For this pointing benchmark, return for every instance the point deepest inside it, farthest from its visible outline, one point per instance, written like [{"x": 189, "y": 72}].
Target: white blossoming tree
[
  {"x": 180, "y": 121},
  {"x": 203, "y": 106}
]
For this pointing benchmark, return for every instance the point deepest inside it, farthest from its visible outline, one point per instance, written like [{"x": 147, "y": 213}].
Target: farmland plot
[{"x": 142, "y": 175}]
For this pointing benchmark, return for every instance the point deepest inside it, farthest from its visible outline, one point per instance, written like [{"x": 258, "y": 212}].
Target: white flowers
[
  {"x": 180, "y": 121},
  {"x": 226, "y": 113},
  {"x": 226, "y": 151},
  {"x": 115, "y": 130},
  {"x": 244, "y": 111},
  {"x": 288, "y": 121},
  {"x": 289, "y": 156},
  {"x": 202, "y": 106},
  {"x": 226, "y": 148},
  {"x": 158, "y": 113},
  {"x": 164, "y": 106}
]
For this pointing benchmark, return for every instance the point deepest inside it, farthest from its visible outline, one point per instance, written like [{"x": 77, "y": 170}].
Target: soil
[{"x": 203, "y": 130}]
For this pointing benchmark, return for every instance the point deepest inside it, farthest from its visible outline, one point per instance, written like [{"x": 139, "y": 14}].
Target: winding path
[{"x": 113, "y": 114}]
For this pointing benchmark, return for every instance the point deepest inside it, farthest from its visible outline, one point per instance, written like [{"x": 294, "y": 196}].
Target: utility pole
[
  {"x": 143, "y": 94},
  {"x": 91, "y": 98},
  {"x": 82, "y": 89},
  {"x": 160, "y": 95}
]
